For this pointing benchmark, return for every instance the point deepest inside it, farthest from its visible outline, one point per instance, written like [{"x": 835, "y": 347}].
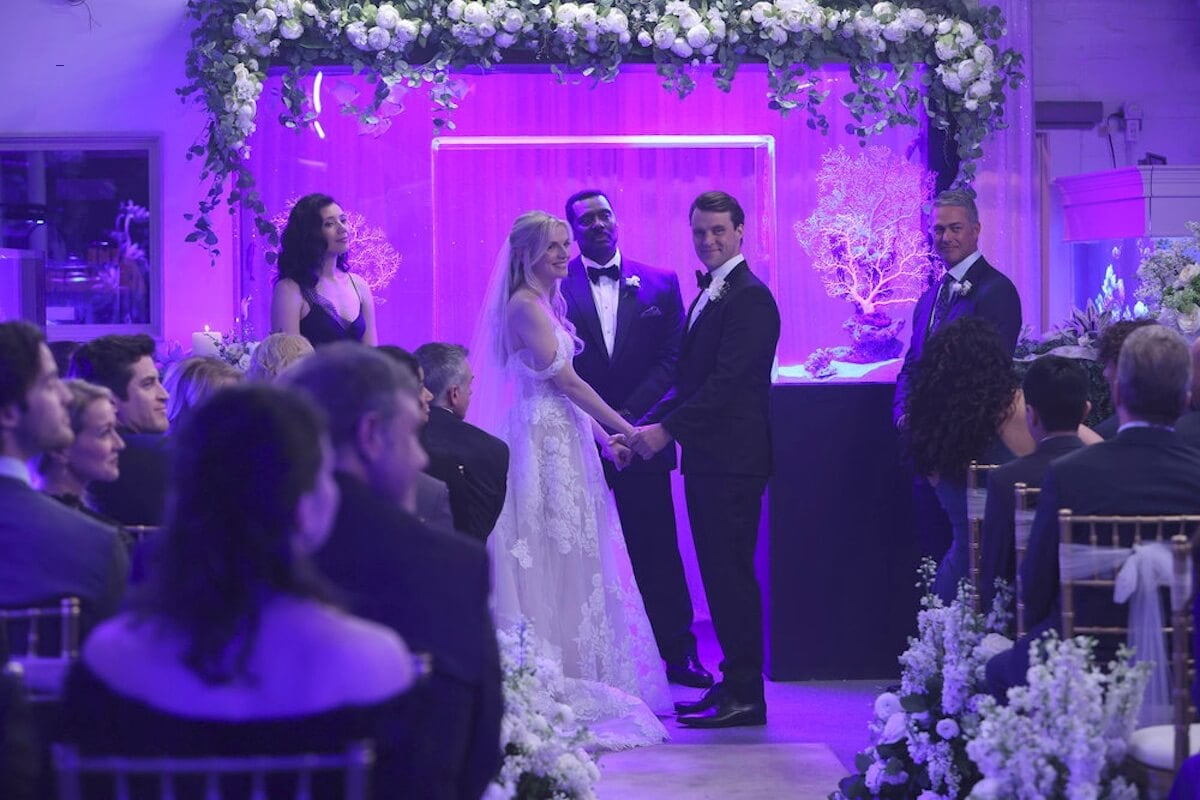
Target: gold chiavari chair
[
  {"x": 42, "y": 669},
  {"x": 976, "y": 502},
  {"x": 1025, "y": 503},
  {"x": 1158, "y": 748},
  {"x": 220, "y": 778},
  {"x": 140, "y": 533}
]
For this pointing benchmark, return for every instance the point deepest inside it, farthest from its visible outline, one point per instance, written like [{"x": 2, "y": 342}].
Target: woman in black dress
[
  {"x": 231, "y": 647},
  {"x": 316, "y": 295}
]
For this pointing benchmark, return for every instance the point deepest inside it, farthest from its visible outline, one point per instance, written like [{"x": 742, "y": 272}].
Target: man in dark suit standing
[
  {"x": 1146, "y": 468},
  {"x": 47, "y": 551},
  {"x": 1056, "y": 404},
  {"x": 718, "y": 411},
  {"x": 125, "y": 364},
  {"x": 431, "y": 587},
  {"x": 630, "y": 318},
  {"x": 970, "y": 287},
  {"x": 469, "y": 460}
]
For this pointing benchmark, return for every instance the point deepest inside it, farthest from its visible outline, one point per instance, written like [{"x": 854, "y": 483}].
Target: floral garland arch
[{"x": 418, "y": 42}]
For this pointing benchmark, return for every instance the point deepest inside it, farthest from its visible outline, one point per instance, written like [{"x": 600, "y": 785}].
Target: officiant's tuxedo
[
  {"x": 991, "y": 296},
  {"x": 638, "y": 373},
  {"x": 718, "y": 412}
]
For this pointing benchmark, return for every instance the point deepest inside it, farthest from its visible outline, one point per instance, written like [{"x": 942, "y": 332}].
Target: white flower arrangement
[
  {"x": 1170, "y": 282},
  {"x": 717, "y": 289},
  {"x": 920, "y": 737},
  {"x": 960, "y": 288},
  {"x": 233, "y": 46},
  {"x": 544, "y": 746},
  {"x": 1066, "y": 733}
]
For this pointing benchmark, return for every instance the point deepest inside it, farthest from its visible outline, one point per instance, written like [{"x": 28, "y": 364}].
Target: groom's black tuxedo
[
  {"x": 991, "y": 296},
  {"x": 649, "y": 327},
  {"x": 718, "y": 411}
]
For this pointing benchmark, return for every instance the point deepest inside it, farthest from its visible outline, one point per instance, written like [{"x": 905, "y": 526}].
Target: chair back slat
[
  {"x": 976, "y": 503},
  {"x": 353, "y": 764},
  {"x": 43, "y": 673},
  {"x": 1025, "y": 503}
]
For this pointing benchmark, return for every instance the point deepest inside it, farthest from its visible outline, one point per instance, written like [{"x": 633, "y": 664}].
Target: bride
[{"x": 558, "y": 555}]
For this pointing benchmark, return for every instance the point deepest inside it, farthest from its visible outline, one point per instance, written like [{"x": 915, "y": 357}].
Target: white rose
[
  {"x": 718, "y": 28},
  {"x": 387, "y": 17},
  {"x": 886, "y": 705},
  {"x": 886, "y": 10},
  {"x": 793, "y": 20},
  {"x": 945, "y": 26},
  {"x": 617, "y": 21},
  {"x": 291, "y": 29},
  {"x": 356, "y": 32},
  {"x": 486, "y": 29},
  {"x": 945, "y": 48},
  {"x": 689, "y": 19},
  {"x": 566, "y": 14},
  {"x": 644, "y": 39},
  {"x": 947, "y": 728},
  {"x": 966, "y": 35},
  {"x": 779, "y": 35},
  {"x": 894, "y": 729},
  {"x": 895, "y": 31},
  {"x": 913, "y": 19},
  {"x": 874, "y": 778},
  {"x": 950, "y": 80},
  {"x": 970, "y": 104},
  {"x": 586, "y": 18},
  {"x": 406, "y": 32},
  {"x": 681, "y": 48},
  {"x": 986, "y": 789},
  {"x": 967, "y": 70},
  {"x": 454, "y": 10},
  {"x": 759, "y": 12},
  {"x": 309, "y": 8},
  {"x": 698, "y": 36},
  {"x": 1188, "y": 274},
  {"x": 243, "y": 28},
  {"x": 378, "y": 38},
  {"x": 708, "y": 49},
  {"x": 504, "y": 39},
  {"x": 664, "y": 37},
  {"x": 265, "y": 20},
  {"x": 983, "y": 54},
  {"x": 625, "y": 37},
  {"x": 980, "y": 89},
  {"x": 474, "y": 13},
  {"x": 1189, "y": 321}
]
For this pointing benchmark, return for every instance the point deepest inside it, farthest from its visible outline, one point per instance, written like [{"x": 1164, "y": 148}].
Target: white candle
[{"x": 204, "y": 343}]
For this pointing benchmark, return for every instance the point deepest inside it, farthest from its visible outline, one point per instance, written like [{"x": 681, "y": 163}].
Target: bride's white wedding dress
[{"x": 560, "y": 562}]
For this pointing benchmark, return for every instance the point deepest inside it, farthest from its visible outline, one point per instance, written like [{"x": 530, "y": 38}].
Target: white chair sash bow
[{"x": 1141, "y": 571}]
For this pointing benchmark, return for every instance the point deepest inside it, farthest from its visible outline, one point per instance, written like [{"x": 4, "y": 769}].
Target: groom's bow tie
[
  {"x": 596, "y": 273},
  {"x": 703, "y": 279}
]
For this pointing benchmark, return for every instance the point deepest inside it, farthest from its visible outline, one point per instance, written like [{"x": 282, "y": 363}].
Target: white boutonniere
[
  {"x": 633, "y": 281},
  {"x": 960, "y": 288},
  {"x": 717, "y": 289}
]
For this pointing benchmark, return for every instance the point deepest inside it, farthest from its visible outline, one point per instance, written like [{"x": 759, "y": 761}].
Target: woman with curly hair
[
  {"x": 965, "y": 405},
  {"x": 316, "y": 295}
]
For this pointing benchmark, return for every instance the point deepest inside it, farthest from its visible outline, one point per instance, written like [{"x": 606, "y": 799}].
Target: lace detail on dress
[{"x": 560, "y": 562}]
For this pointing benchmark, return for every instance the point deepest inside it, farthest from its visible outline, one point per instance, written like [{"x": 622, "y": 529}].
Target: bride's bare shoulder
[{"x": 524, "y": 304}]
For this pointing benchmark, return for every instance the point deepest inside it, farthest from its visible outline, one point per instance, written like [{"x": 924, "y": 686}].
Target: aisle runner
[{"x": 720, "y": 771}]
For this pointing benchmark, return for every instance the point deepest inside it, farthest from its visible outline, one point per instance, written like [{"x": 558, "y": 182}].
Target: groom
[
  {"x": 718, "y": 412},
  {"x": 630, "y": 318}
]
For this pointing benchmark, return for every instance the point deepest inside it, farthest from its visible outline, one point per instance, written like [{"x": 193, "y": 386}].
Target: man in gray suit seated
[{"x": 47, "y": 551}]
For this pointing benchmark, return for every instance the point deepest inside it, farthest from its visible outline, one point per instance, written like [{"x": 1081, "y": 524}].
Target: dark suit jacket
[
  {"x": 1188, "y": 428},
  {"x": 433, "y": 502},
  {"x": 645, "y": 348},
  {"x": 992, "y": 297},
  {"x": 138, "y": 496},
  {"x": 48, "y": 551},
  {"x": 1140, "y": 471},
  {"x": 474, "y": 466},
  {"x": 718, "y": 408},
  {"x": 432, "y": 589},
  {"x": 997, "y": 548}
]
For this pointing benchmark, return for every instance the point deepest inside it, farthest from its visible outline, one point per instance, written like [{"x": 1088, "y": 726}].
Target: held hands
[
  {"x": 649, "y": 440},
  {"x": 616, "y": 451}
]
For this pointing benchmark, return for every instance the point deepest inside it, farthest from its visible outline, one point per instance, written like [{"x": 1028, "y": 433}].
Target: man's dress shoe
[
  {"x": 688, "y": 671},
  {"x": 729, "y": 713},
  {"x": 708, "y": 700}
]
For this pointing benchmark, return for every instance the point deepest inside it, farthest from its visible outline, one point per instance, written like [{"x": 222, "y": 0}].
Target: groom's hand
[
  {"x": 617, "y": 451},
  {"x": 649, "y": 439}
]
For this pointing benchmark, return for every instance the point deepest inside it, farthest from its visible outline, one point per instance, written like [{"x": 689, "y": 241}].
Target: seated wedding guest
[
  {"x": 964, "y": 404},
  {"x": 66, "y": 473},
  {"x": 47, "y": 551},
  {"x": 276, "y": 353},
  {"x": 125, "y": 365},
  {"x": 1188, "y": 424},
  {"x": 1056, "y": 404},
  {"x": 432, "y": 496},
  {"x": 232, "y": 647},
  {"x": 1108, "y": 347},
  {"x": 316, "y": 295},
  {"x": 1146, "y": 468},
  {"x": 193, "y": 380},
  {"x": 470, "y": 461},
  {"x": 430, "y": 587}
]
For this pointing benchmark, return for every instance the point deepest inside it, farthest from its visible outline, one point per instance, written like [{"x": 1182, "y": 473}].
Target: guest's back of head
[
  {"x": 193, "y": 380},
  {"x": 1057, "y": 389},
  {"x": 276, "y": 353},
  {"x": 962, "y": 390},
  {"x": 1154, "y": 376},
  {"x": 1108, "y": 347},
  {"x": 447, "y": 375}
]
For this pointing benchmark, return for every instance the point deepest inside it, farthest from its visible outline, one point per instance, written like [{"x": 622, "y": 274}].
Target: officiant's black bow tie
[
  {"x": 703, "y": 279},
  {"x": 596, "y": 273}
]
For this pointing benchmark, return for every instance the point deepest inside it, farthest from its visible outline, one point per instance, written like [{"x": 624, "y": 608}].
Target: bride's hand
[{"x": 616, "y": 451}]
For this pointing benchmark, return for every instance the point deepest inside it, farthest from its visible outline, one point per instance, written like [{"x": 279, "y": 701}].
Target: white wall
[{"x": 112, "y": 66}]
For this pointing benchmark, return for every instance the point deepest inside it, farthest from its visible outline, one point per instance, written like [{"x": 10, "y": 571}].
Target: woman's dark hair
[
  {"x": 302, "y": 245},
  {"x": 963, "y": 386},
  {"x": 240, "y": 464}
]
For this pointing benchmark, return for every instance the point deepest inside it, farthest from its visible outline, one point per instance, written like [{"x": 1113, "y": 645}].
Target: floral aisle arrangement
[
  {"x": 1170, "y": 282},
  {"x": 545, "y": 755},
  {"x": 921, "y": 735},
  {"x": 1066, "y": 733},
  {"x": 942, "y": 57},
  {"x": 867, "y": 243}
]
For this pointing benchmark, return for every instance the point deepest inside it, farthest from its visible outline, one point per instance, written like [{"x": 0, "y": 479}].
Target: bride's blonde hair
[{"x": 528, "y": 242}]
